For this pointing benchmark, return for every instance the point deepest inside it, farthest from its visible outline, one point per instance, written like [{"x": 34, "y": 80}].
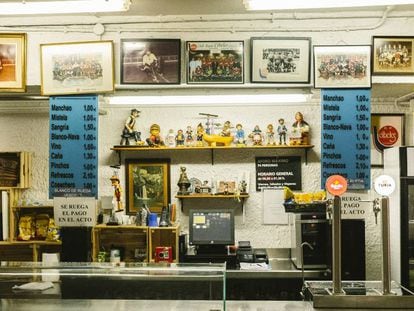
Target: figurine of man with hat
[
  {"x": 116, "y": 183},
  {"x": 129, "y": 129}
]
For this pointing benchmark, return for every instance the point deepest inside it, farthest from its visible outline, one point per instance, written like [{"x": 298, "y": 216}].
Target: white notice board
[
  {"x": 74, "y": 211},
  {"x": 273, "y": 209}
]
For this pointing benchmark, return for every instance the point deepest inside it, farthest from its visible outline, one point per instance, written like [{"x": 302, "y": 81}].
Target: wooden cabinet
[
  {"x": 15, "y": 169},
  {"x": 132, "y": 241},
  {"x": 165, "y": 237},
  {"x": 136, "y": 243}
]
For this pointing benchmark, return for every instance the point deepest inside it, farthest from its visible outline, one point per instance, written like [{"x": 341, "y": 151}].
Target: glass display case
[{"x": 136, "y": 281}]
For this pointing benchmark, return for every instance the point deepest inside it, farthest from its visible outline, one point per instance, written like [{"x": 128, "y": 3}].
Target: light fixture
[
  {"x": 195, "y": 100},
  {"x": 62, "y": 7},
  {"x": 256, "y": 5}
]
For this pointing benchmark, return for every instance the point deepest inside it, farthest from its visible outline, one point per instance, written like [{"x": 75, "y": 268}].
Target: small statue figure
[
  {"x": 183, "y": 183},
  {"x": 155, "y": 139},
  {"x": 179, "y": 138},
  {"x": 300, "y": 130},
  {"x": 189, "y": 139},
  {"x": 170, "y": 139},
  {"x": 117, "y": 191},
  {"x": 281, "y": 131},
  {"x": 243, "y": 186},
  {"x": 270, "y": 135},
  {"x": 129, "y": 129},
  {"x": 240, "y": 136},
  {"x": 200, "y": 133},
  {"x": 226, "y": 129},
  {"x": 256, "y": 136}
]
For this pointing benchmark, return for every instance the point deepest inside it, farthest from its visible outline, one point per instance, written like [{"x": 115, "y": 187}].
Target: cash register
[{"x": 245, "y": 253}]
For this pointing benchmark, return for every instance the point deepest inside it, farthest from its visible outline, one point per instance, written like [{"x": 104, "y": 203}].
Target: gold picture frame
[
  {"x": 147, "y": 182},
  {"x": 77, "y": 68},
  {"x": 13, "y": 62}
]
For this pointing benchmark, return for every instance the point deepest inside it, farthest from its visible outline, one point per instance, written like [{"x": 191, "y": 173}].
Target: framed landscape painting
[
  {"x": 150, "y": 61},
  {"x": 215, "y": 62},
  {"x": 77, "y": 68},
  {"x": 280, "y": 60},
  {"x": 147, "y": 182},
  {"x": 12, "y": 62},
  {"x": 392, "y": 55},
  {"x": 347, "y": 66}
]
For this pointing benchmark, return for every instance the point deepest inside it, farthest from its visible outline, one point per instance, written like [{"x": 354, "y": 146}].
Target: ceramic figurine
[
  {"x": 300, "y": 130},
  {"x": 129, "y": 129},
  {"x": 240, "y": 136},
  {"x": 170, "y": 139},
  {"x": 189, "y": 138},
  {"x": 281, "y": 131},
  {"x": 256, "y": 136},
  {"x": 270, "y": 135},
  {"x": 179, "y": 138},
  {"x": 183, "y": 183},
  {"x": 117, "y": 191},
  {"x": 155, "y": 139},
  {"x": 200, "y": 133},
  {"x": 226, "y": 132}
]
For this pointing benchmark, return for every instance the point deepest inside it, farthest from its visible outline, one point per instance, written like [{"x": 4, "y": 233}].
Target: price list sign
[
  {"x": 73, "y": 146},
  {"x": 345, "y": 142}
]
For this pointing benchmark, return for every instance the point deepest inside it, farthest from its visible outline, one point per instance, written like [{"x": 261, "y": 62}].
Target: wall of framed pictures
[{"x": 245, "y": 62}]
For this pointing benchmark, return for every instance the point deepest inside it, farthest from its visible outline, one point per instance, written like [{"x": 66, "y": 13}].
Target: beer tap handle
[
  {"x": 376, "y": 207},
  {"x": 329, "y": 208}
]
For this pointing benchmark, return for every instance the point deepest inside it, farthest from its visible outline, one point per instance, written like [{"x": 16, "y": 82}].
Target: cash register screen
[{"x": 213, "y": 227}]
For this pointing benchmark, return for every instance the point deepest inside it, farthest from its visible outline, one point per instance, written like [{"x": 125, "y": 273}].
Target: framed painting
[
  {"x": 280, "y": 60},
  {"x": 339, "y": 67},
  {"x": 147, "y": 182},
  {"x": 215, "y": 62},
  {"x": 12, "y": 62},
  {"x": 392, "y": 55},
  {"x": 387, "y": 130},
  {"x": 77, "y": 68},
  {"x": 150, "y": 61}
]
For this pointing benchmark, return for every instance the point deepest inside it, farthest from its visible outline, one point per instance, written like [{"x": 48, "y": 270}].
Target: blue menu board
[
  {"x": 345, "y": 140},
  {"x": 73, "y": 146}
]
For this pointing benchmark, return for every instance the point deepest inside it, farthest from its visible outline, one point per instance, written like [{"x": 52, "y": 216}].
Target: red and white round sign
[
  {"x": 388, "y": 135},
  {"x": 336, "y": 185}
]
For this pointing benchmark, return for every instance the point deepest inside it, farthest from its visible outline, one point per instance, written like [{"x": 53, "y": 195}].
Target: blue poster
[
  {"x": 73, "y": 146},
  {"x": 345, "y": 140}
]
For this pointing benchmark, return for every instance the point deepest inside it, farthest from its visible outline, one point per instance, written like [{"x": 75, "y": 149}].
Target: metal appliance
[{"x": 312, "y": 228}]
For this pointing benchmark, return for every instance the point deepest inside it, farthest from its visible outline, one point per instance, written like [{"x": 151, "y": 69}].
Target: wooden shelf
[
  {"x": 119, "y": 149},
  {"x": 34, "y": 242},
  {"x": 208, "y": 196},
  {"x": 32, "y": 207},
  {"x": 120, "y": 227}
]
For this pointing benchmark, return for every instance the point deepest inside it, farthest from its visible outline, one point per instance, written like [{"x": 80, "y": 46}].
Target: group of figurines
[{"x": 298, "y": 134}]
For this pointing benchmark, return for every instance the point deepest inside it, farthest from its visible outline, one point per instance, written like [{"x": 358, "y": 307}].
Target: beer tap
[
  {"x": 375, "y": 207},
  {"x": 329, "y": 208}
]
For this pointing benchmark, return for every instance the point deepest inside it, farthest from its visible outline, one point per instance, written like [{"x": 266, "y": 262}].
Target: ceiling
[{"x": 199, "y": 7}]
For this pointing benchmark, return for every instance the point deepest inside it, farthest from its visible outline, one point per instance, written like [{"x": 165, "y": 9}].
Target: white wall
[{"x": 29, "y": 131}]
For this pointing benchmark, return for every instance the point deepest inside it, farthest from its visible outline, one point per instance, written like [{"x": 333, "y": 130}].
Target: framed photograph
[
  {"x": 339, "y": 67},
  {"x": 150, "y": 61},
  {"x": 77, "y": 68},
  {"x": 147, "y": 182},
  {"x": 12, "y": 62},
  {"x": 392, "y": 55},
  {"x": 387, "y": 130},
  {"x": 280, "y": 60},
  {"x": 215, "y": 62}
]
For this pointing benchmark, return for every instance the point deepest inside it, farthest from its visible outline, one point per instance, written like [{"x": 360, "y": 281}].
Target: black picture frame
[
  {"x": 165, "y": 70},
  {"x": 215, "y": 62},
  {"x": 280, "y": 60}
]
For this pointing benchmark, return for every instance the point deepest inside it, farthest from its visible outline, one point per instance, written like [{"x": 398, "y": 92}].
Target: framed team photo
[
  {"x": 392, "y": 55},
  {"x": 150, "y": 61},
  {"x": 12, "y": 62},
  {"x": 280, "y": 60},
  {"x": 339, "y": 67},
  {"x": 215, "y": 62},
  {"x": 77, "y": 68}
]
